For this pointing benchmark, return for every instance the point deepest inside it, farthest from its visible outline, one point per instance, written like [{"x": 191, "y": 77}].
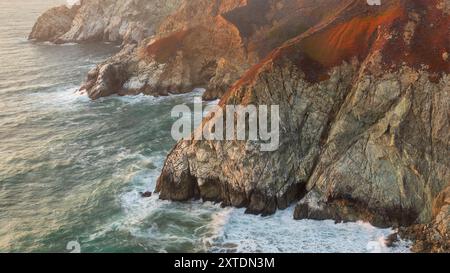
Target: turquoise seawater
[{"x": 71, "y": 169}]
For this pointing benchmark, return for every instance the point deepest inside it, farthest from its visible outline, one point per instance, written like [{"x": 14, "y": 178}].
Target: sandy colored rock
[
  {"x": 210, "y": 44},
  {"x": 124, "y": 21},
  {"x": 53, "y": 24}
]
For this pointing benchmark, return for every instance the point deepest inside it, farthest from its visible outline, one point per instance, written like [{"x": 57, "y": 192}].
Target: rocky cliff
[
  {"x": 364, "y": 99},
  {"x": 53, "y": 23},
  {"x": 178, "y": 45},
  {"x": 363, "y": 92},
  {"x": 103, "y": 20},
  {"x": 206, "y": 44}
]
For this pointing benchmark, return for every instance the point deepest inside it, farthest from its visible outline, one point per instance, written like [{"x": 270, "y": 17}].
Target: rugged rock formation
[
  {"x": 364, "y": 94},
  {"x": 211, "y": 44},
  {"x": 53, "y": 23},
  {"x": 103, "y": 20},
  {"x": 365, "y": 123},
  {"x": 185, "y": 44},
  {"x": 435, "y": 236}
]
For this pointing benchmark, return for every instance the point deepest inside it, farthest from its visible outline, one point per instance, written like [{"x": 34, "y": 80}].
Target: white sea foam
[
  {"x": 164, "y": 225},
  {"x": 230, "y": 229},
  {"x": 281, "y": 233},
  {"x": 60, "y": 98},
  {"x": 47, "y": 43},
  {"x": 141, "y": 98}
]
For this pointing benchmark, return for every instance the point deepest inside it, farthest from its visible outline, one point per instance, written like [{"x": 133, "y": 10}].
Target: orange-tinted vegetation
[
  {"x": 348, "y": 39},
  {"x": 316, "y": 52},
  {"x": 430, "y": 41},
  {"x": 165, "y": 48}
]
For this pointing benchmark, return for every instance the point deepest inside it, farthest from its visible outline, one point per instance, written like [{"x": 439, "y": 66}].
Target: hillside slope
[{"x": 103, "y": 20}]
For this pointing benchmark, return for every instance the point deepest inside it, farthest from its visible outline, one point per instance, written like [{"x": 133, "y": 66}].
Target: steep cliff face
[
  {"x": 364, "y": 94},
  {"x": 103, "y": 20},
  {"x": 433, "y": 236},
  {"x": 209, "y": 44},
  {"x": 53, "y": 23},
  {"x": 364, "y": 99}
]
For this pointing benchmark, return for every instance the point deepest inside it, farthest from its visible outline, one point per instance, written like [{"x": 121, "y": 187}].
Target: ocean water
[{"x": 71, "y": 169}]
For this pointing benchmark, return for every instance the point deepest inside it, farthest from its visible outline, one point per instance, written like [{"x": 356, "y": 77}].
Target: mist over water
[{"x": 72, "y": 169}]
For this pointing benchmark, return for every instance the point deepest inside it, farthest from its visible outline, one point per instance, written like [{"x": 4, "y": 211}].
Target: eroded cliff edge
[
  {"x": 207, "y": 44},
  {"x": 124, "y": 21},
  {"x": 365, "y": 125},
  {"x": 178, "y": 45}
]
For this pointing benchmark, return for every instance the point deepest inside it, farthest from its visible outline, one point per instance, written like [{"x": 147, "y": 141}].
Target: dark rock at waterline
[
  {"x": 435, "y": 235},
  {"x": 392, "y": 239},
  {"x": 364, "y": 113},
  {"x": 146, "y": 194},
  {"x": 104, "y": 80}
]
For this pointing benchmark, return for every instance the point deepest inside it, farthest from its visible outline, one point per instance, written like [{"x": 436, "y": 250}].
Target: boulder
[{"x": 55, "y": 22}]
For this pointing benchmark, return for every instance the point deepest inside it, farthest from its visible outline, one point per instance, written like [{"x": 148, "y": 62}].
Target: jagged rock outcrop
[
  {"x": 434, "y": 236},
  {"x": 104, "y": 20},
  {"x": 364, "y": 123},
  {"x": 186, "y": 44},
  {"x": 211, "y": 44},
  {"x": 184, "y": 54},
  {"x": 363, "y": 92},
  {"x": 53, "y": 23},
  {"x": 119, "y": 21}
]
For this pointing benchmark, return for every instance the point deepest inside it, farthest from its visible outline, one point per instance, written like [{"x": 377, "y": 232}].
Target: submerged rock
[{"x": 146, "y": 194}]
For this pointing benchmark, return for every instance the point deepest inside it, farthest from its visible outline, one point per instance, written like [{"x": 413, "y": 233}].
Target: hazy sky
[{"x": 72, "y": 2}]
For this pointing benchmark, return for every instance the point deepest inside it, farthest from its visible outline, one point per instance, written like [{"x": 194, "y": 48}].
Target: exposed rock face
[
  {"x": 53, "y": 24},
  {"x": 113, "y": 77},
  {"x": 109, "y": 78},
  {"x": 435, "y": 236},
  {"x": 211, "y": 44},
  {"x": 364, "y": 94},
  {"x": 386, "y": 154},
  {"x": 365, "y": 132},
  {"x": 187, "y": 44},
  {"x": 103, "y": 20}
]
